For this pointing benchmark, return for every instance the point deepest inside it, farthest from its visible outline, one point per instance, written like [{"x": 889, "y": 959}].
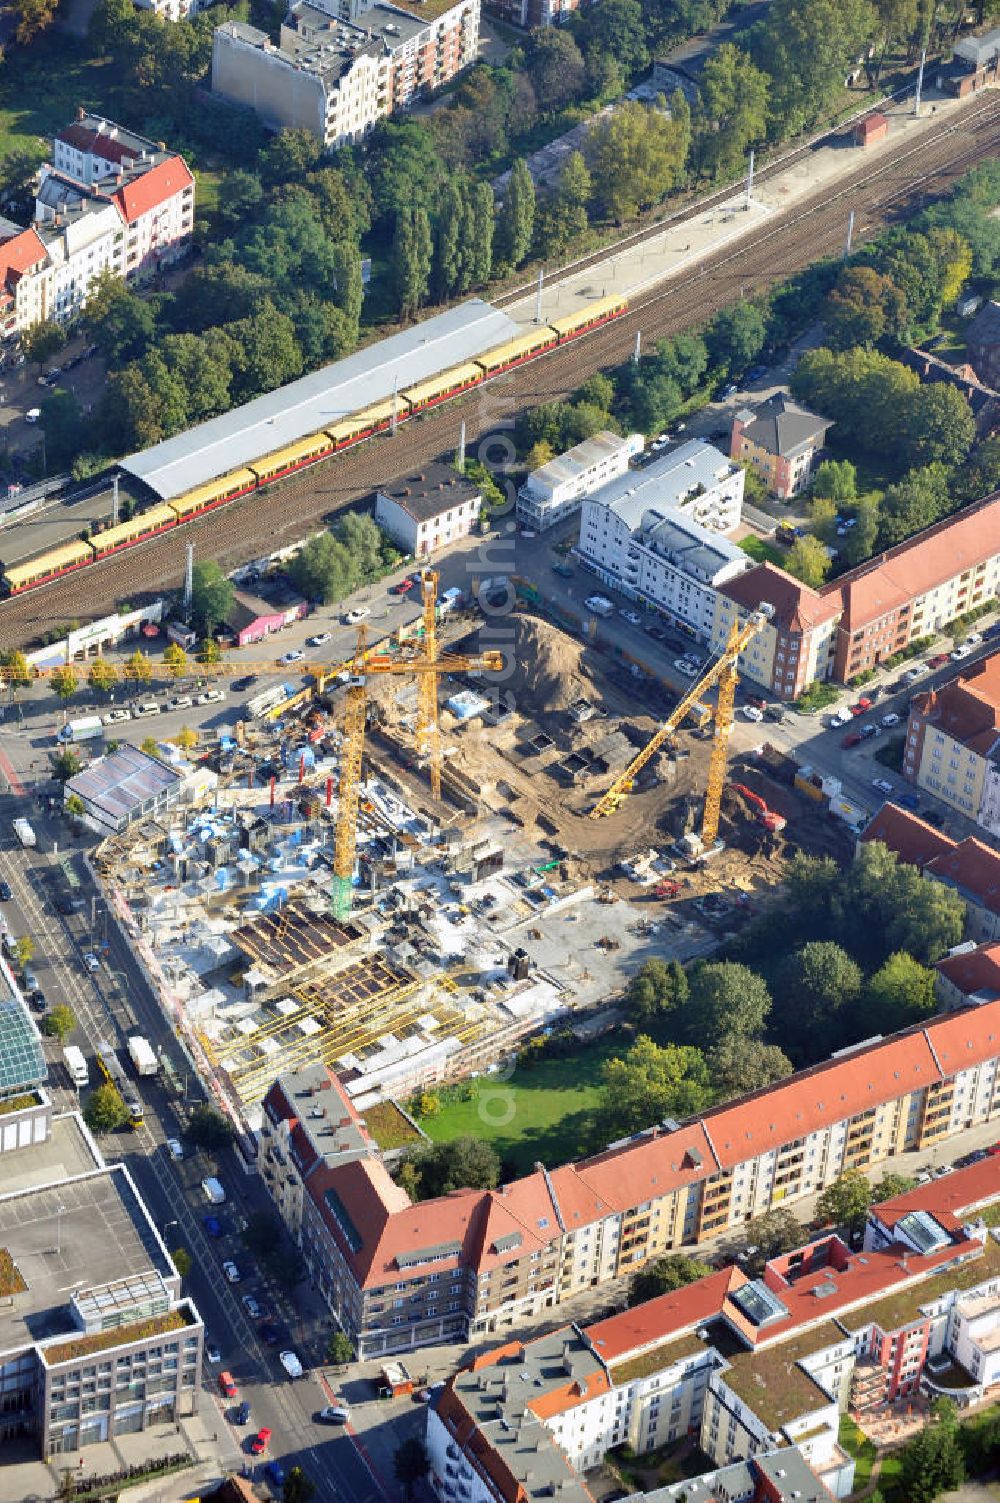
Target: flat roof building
[
  {"x": 429, "y": 509},
  {"x": 555, "y": 490}
]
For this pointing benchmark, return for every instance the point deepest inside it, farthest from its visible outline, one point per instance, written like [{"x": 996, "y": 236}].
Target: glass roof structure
[{"x": 22, "y": 1063}]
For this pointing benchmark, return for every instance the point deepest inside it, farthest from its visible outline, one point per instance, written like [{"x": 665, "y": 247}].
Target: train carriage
[
  {"x": 370, "y": 420},
  {"x": 440, "y": 388},
  {"x": 205, "y": 497},
  {"x": 47, "y": 566},
  {"x": 145, "y": 524},
  {"x": 582, "y": 320},
  {"x": 292, "y": 457},
  {"x": 525, "y": 347}
]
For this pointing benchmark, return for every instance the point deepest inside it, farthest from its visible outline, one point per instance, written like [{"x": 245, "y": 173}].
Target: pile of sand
[{"x": 548, "y": 671}]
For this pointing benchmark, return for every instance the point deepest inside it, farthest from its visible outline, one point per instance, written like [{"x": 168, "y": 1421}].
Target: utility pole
[
  {"x": 638, "y": 347},
  {"x": 538, "y": 295},
  {"x": 460, "y": 465},
  {"x": 850, "y": 234},
  {"x": 188, "y": 579},
  {"x": 114, "y": 502},
  {"x": 920, "y": 82},
  {"x": 749, "y": 182}
]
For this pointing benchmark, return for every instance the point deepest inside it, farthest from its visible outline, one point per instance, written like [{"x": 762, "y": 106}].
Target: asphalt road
[{"x": 108, "y": 1005}]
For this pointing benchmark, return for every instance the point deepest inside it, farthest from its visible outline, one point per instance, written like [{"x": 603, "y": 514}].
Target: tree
[
  {"x": 483, "y": 223},
  {"x": 150, "y": 746},
  {"x": 539, "y": 454},
  {"x": 770, "y": 1235},
  {"x": 891, "y": 1185},
  {"x": 900, "y": 992},
  {"x": 186, "y": 738},
  {"x": 64, "y": 681},
  {"x": 726, "y": 998},
  {"x": 240, "y": 196},
  {"x": 102, "y": 676},
  {"x": 651, "y": 1083},
  {"x": 932, "y": 1462},
  {"x": 846, "y": 1201},
  {"x": 24, "y": 949},
  {"x": 211, "y": 597},
  {"x": 208, "y": 1129},
  {"x": 137, "y": 668},
  {"x": 66, "y": 764},
  {"x": 862, "y": 308},
  {"x": 665, "y": 1275},
  {"x": 731, "y": 114},
  {"x": 463, "y": 1164},
  {"x": 175, "y": 660},
  {"x": 209, "y": 651},
  {"x": 266, "y": 352},
  {"x": 105, "y": 1111},
  {"x": 516, "y": 221},
  {"x": 59, "y": 1022},
  {"x": 291, "y": 154},
  {"x": 859, "y": 545},
  {"x": 917, "y": 501},
  {"x": 616, "y": 29},
  {"x": 298, "y": 1488},
  {"x": 808, "y": 48},
  {"x": 562, "y": 215},
  {"x": 554, "y": 65},
  {"x": 323, "y": 569},
  {"x": 890, "y": 906},
  {"x": 636, "y": 155},
  {"x": 739, "y": 1065},
  {"x": 19, "y": 166},
  {"x": 655, "y": 992},
  {"x": 411, "y": 259},
  {"x": 836, "y": 479},
  {"x": 16, "y": 668},
  {"x": 339, "y": 1349},
  {"x": 817, "y": 987},
  {"x": 39, "y": 342},
  {"x": 122, "y": 324},
  {"x": 411, "y": 1463},
  {"x": 939, "y": 426},
  {"x": 735, "y": 337},
  {"x": 449, "y": 252},
  {"x": 183, "y": 1261},
  {"x": 74, "y": 805},
  {"x": 808, "y": 560}
]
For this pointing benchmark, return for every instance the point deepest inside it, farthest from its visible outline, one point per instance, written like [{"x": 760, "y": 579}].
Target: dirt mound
[{"x": 548, "y": 668}]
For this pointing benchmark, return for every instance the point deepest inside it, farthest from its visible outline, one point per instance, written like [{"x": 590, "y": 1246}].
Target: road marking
[{"x": 7, "y": 767}]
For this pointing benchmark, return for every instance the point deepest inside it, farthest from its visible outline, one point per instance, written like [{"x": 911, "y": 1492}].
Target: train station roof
[{"x": 319, "y": 400}]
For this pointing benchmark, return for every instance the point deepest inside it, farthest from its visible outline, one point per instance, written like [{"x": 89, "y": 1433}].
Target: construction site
[{"x": 449, "y": 847}]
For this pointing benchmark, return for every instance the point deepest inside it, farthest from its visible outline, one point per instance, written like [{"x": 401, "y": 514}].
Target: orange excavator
[{"x": 769, "y": 818}]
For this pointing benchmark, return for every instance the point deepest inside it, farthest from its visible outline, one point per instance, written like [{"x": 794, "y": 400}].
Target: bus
[{"x": 110, "y": 1067}]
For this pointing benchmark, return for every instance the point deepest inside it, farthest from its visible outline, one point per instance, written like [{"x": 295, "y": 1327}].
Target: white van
[
  {"x": 213, "y": 1190},
  {"x": 76, "y": 1065}
]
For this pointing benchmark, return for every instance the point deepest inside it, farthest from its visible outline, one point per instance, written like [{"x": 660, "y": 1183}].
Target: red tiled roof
[
  {"x": 631, "y": 1331},
  {"x": 649, "y": 1168},
  {"x": 817, "y": 1098},
  {"x": 471, "y": 1439},
  {"x": 974, "y": 971},
  {"x": 961, "y": 1039},
  {"x": 152, "y": 188},
  {"x": 913, "y": 840},
  {"x": 908, "y": 571},
  {"x": 20, "y": 254},
  {"x": 570, "y": 1395},
  {"x": 968, "y": 707},
  {"x": 950, "y": 1196},
  {"x": 98, "y": 143},
  {"x": 797, "y": 608},
  {"x": 973, "y": 868}
]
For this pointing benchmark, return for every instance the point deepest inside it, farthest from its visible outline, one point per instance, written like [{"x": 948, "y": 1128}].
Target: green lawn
[
  {"x": 860, "y": 1447},
  {"x": 540, "y": 1113},
  {"x": 763, "y": 553},
  {"x": 42, "y": 86}
]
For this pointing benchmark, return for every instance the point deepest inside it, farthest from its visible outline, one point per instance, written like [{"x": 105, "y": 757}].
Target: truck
[
  {"x": 214, "y": 1193},
  {"x": 76, "y": 1065},
  {"x": 598, "y": 605},
  {"x": 88, "y": 729},
  {"x": 271, "y": 698},
  {"x": 142, "y": 1055},
  {"x": 25, "y": 834}
]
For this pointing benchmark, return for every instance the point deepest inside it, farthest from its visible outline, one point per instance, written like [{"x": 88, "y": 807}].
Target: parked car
[
  {"x": 402, "y": 588},
  {"x": 751, "y": 712},
  {"x": 275, "y": 1474},
  {"x": 292, "y": 657},
  {"x": 961, "y": 652},
  {"x": 882, "y": 785},
  {"x": 181, "y": 702},
  {"x": 211, "y": 697},
  {"x": 355, "y": 617},
  {"x": 320, "y": 639},
  {"x": 91, "y": 961},
  {"x": 5, "y": 892},
  {"x": 939, "y": 660},
  {"x": 149, "y": 708},
  {"x": 260, "y": 1441},
  {"x": 228, "y": 1385},
  {"x": 32, "y": 415},
  {"x": 868, "y": 730},
  {"x": 908, "y": 801},
  {"x": 291, "y": 1364},
  {"x": 175, "y": 1148},
  {"x": 246, "y": 682},
  {"x": 231, "y": 1271},
  {"x": 632, "y": 617},
  {"x": 891, "y": 719},
  {"x": 851, "y": 739},
  {"x": 251, "y": 1306},
  {"x": 334, "y": 1414},
  {"x": 242, "y": 1415},
  {"x": 683, "y": 665},
  {"x": 973, "y": 639},
  {"x": 212, "y": 1354},
  {"x": 212, "y": 1225},
  {"x": 113, "y": 716}
]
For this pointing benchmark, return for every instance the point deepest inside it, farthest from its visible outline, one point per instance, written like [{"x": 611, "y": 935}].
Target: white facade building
[
  {"x": 429, "y": 510},
  {"x": 554, "y": 491}
]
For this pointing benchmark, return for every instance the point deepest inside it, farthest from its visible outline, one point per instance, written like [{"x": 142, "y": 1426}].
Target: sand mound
[{"x": 548, "y": 668}]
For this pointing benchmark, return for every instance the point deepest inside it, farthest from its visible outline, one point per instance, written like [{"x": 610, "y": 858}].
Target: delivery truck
[
  {"x": 76, "y": 1065},
  {"x": 25, "y": 834},
  {"x": 143, "y": 1056},
  {"x": 88, "y": 729}
]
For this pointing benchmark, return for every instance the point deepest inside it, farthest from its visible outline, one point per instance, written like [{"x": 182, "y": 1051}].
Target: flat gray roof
[
  {"x": 318, "y": 400},
  {"x": 668, "y": 481},
  {"x": 690, "y": 546}
]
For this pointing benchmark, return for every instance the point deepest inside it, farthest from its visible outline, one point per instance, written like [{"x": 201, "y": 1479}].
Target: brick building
[
  {"x": 970, "y": 867},
  {"x": 781, "y": 440}
]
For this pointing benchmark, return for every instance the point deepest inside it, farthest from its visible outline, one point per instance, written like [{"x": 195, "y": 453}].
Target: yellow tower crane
[
  {"x": 724, "y": 674},
  {"x": 427, "y": 667}
]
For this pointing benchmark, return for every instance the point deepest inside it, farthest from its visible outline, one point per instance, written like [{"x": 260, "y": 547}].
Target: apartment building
[
  {"x": 859, "y": 620},
  {"x": 530, "y": 14},
  {"x": 399, "y": 1276},
  {"x": 110, "y": 201},
  {"x": 970, "y": 867},
  {"x": 96, "y": 1338},
  {"x": 340, "y": 67},
  {"x": 555, "y": 490},
  {"x": 760, "y": 1370},
  {"x": 953, "y": 743},
  {"x": 781, "y": 440},
  {"x": 429, "y": 510},
  {"x": 968, "y": 975}
]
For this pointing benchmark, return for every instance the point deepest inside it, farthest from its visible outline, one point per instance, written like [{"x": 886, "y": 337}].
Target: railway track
[{"x": 782, "y": 245}]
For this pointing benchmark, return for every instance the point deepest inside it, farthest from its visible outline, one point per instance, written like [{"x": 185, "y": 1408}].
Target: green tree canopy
[
  {"x": 66, "y": 764},
  {"x": 59, "y": 1022},
  {"x": 206, "y": 1128},
  {"x": 651, "y": 1083},
  {"x": 931, "y": 1462},
  {"x": 735, "y": 337},
  {"x": 410, "y": 1464},
  {"x": 516, "y": 221},
  {"x": 104, "y": 1110},
  {"x": 656, "y": 994},
  {"x": 323, "y": 569},
  {"x": 808, "y": 560},
  {"x": 846, "y": 1201},
  {"x": 731, "y": 115},
  {"x": 726, "y": 999},
  {"x": 769, "y": 1236},
  {"x": 663, "y": 1276},
  {"x": 739, "y": 1064},
  {"x": 816, "y": 990},
  {"x": 211, "y": 596},
  {"x": 836, "y": 479},
  {"x": 891, "y": 1185},
  {"x": 439, "y": 1168},
  {"x": 39, "y": 342},
  {"x": 901, "y": 992},
  {"x": 339, "y": 1349},
  {"x": 636, "y": 155}
]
